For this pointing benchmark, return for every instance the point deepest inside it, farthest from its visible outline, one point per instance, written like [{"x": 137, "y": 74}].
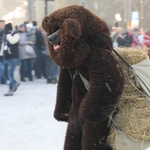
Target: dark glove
[{"x": 61, "y": 116}]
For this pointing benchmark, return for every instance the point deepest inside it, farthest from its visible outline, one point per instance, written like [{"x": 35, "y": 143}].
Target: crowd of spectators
[
  {"x": 131, "y": 38},
  {"x": 26, "y": 47}
]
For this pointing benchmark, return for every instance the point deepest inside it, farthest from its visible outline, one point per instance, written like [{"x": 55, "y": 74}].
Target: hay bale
[
  {"x": 134, "y": 108},
  {"x": 132, "y": 55}
]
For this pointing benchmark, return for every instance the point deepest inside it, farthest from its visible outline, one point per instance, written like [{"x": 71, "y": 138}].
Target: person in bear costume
[{"x": 90, "y": 80}]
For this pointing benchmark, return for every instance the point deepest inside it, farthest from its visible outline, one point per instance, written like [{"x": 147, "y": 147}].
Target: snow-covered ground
[{"x": 26, "y": 119}]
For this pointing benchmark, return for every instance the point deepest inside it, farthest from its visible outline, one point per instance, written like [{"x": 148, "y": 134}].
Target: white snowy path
[{"x": 26, "y": 119}]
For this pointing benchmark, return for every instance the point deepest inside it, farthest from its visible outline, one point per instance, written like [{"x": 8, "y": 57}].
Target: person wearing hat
[
  {"x": 11, "y": 41},
  {"x": 26, "y": 55},
  {"x": 39, "y": 49}
]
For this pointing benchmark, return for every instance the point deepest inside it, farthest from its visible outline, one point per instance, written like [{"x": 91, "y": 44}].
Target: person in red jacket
[{"x": 146, "y": 40}]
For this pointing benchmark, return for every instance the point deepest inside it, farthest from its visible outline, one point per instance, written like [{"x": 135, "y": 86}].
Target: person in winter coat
[
  {"x": 119, "y": 38},
  {"x": 128, "y": 36},
  {"x": 26, "y": 58},
  {"x": 2, "y": 26},
  {"x": 146, "y": 40},
  {"x": 11, "y": 41},
  {"x": 51, "y": 68},
  {"x": 39, "y": 49}
]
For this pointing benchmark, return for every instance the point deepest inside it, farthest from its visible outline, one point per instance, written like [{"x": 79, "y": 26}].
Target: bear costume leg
[
  {"x": 74, "y": 133},
  {"x": 73, "y": 137},
  {"x": 94, "y": 136},
  {"x": 84, "y": 135}
]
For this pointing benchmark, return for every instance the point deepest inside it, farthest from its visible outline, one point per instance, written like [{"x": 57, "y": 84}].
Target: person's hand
[{"x": 61, "y": 116}]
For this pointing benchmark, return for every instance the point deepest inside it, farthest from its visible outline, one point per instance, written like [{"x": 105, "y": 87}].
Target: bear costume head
[{"x": 69, "y": 30}]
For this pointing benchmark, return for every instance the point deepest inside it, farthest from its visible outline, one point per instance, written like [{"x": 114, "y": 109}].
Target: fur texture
[{"x": 84, "y": 45}]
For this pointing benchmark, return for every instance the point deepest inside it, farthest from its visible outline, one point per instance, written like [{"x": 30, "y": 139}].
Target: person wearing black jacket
[
  {"x": 128, "y": 37},
  {"x": 2, "y": 26},
  {"x": 11, "y": 56},
  {"x": 119, "y": 38},
  {"x": 39, "y": 48}
]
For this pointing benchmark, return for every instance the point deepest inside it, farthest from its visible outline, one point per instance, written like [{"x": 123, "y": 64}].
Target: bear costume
[{"x": 90, "y": 80}]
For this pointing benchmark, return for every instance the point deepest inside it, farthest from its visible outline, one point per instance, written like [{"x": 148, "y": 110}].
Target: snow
[{"x": 26, "y": 118}]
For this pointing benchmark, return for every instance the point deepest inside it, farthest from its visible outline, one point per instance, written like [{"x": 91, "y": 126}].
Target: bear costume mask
[
  {"x": 80, "y": 44},
  {"x": 74, "y": 25}
]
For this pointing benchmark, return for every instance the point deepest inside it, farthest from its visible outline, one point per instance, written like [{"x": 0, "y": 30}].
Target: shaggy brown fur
[{"x": 84, "y": 46}]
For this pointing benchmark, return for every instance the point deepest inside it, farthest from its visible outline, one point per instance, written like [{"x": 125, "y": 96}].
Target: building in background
[
  {"x": 14, "y": 12},
  {"x": 107, "y": 9},
  {"x": 43, "y": 8},
  {"x": 29, "y": 10}
]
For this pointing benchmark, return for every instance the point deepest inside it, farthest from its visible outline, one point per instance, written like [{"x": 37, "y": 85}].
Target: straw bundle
[{"x": 134, "y": 108}]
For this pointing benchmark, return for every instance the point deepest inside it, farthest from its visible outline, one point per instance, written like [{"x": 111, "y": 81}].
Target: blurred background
[{"x": 124, "y": 13}]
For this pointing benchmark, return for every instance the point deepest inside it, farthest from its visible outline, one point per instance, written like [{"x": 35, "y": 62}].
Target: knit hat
[
  {"x": 34, "y": 23},
  {"x": 8, "y": 26}
]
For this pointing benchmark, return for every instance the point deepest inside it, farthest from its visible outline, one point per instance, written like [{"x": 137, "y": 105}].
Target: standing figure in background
[
  {"x": 2, "y": 26},
  {"x": 51, "y": 67},
  {"x": 26, "y": 58},
  {"x": 140, "y": 37},
  {"x": 137, "y": 38},
  {"x": 112, "y": 35},
  {"x": 146, "y": 40},
  {"x": 128, "y": 36},
  {"x": 30, "y": 33},
  {"x": 11, "y": 41},
  {"x": 39, "y": 48},
  {"x": 119, "y": 38}
]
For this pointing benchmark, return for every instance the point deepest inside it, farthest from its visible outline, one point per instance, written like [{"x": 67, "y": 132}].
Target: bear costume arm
[
  {"x": 106, "y": 83},
  {"x": 64, "y": 99}
]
